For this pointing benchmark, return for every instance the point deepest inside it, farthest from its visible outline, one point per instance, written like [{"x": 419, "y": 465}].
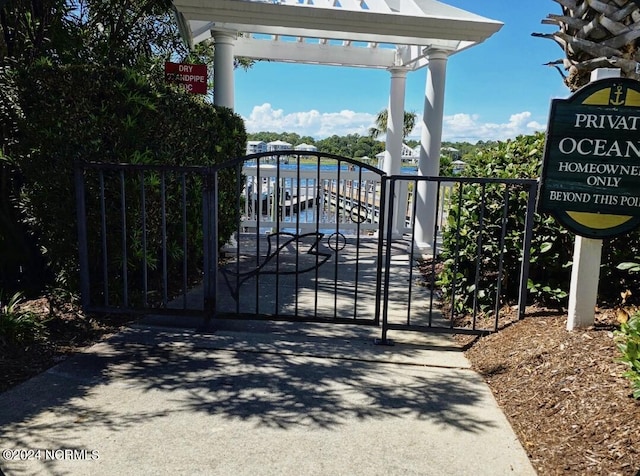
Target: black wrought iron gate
[
  {"x": 278, "y": 235},
  {"x": 304, "y": 243},
  {"x": 298, "y": 236}
]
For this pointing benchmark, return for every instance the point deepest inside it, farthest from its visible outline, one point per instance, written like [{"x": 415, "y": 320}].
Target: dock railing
[{"x": 298, "y": 199}]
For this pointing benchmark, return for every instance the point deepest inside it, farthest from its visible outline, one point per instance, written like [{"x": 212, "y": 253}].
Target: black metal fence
[
  {"x": 476, "y": 264},
  {"x": 310, "y": 237},
  {"x": 140, "y": 234},
  {"x": 305, "y": 245}
]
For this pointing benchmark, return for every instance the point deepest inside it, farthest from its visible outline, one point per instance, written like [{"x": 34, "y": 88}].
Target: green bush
[
  {"x": 19, "y": 329},
  {"x": 614, "y": 278},
  {"x": 628, "y": 342},
  {"x": 20, "y": 266},
  {"x": 111, "y": 115},
  {"x": 550, "y": 248}
]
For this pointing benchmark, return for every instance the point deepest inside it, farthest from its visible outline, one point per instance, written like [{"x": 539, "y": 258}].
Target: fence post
[
  {"x": 387, "y": 221},
  {"x": 526, "y": 249},
  {"x": 83, "y": 248},
  {"x": 210, "y": 234}
]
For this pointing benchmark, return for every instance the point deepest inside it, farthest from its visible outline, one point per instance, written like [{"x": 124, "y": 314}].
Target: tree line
[{"x": 357, "y": 146}]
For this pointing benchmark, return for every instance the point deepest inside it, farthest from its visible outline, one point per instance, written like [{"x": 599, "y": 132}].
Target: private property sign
[
  {"x": 192, "y": 77},
  {"x": 591, "y": 170}
]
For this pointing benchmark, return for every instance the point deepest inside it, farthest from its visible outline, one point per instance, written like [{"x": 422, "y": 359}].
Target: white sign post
[
  {"x": 585, "y": 275},
  {"x": 587, "y": 254}
]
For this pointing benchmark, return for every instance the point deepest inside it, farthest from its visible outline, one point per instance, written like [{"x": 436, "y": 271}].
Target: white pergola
[{"x": 396, "y": 35}]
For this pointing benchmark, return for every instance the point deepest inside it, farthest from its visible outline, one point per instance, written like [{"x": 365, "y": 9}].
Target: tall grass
[{"x": 20, "y": 329}]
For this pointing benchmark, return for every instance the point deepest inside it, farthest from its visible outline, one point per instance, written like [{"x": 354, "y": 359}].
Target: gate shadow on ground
[
  {"x": 264, "y": 382},
  {"x": 300, "y": 379},
  {"x": 287, "y": 390}
]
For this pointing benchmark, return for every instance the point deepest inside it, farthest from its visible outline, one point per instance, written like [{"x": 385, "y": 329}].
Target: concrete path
[{"x": 257, "y": 398}]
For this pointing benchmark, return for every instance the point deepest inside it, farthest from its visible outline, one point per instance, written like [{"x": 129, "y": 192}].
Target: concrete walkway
[{"x": 257, "y": 398}]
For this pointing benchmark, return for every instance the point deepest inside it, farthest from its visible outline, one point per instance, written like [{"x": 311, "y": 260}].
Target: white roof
[
  {"x": 406, "y": 152},
  {"x": 366, "y": 33},
  {"x": 278, "y": 142}
]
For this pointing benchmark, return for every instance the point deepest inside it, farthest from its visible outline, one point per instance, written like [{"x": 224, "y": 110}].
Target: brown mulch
[
  {"x": 562, "y": 391},
  {"x": 68, "y": 331}
]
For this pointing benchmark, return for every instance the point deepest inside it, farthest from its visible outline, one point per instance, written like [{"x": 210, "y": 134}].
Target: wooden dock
[
  {"x": 289, "y": 204},
  {"x": 295, "y": 204},
  {"x": 356, "y": 201}
]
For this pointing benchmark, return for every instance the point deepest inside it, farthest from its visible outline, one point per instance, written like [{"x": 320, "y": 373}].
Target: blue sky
[{"x": 494, "y": 91}]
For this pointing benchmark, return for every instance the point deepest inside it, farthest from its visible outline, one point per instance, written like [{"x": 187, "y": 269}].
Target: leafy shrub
[
  {"x": 615, "y": 277},
  {"x": 628, "y": 342},
  {"x": 630, "y": 266},
  {"x": 20, "y": 266},
  {"x": 19, "y": 329},
  {"x": 551, "y": 247},
  {"x": 111, "y": 115}
]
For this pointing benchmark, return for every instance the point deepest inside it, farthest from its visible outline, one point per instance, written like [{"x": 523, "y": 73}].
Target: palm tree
[
  {"x": 381, "y": 124},
  {"x": 596, "y": 34}
]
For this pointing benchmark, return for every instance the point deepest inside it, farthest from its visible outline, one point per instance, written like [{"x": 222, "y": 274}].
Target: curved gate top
[{"x": 306, "y": 242}]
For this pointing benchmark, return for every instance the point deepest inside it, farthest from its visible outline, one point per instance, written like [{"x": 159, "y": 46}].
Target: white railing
[
  {"x": 301, "y": 200},
  {"x": 444, "y": 203}
]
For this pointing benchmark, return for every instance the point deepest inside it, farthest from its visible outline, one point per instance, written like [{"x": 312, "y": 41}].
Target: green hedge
[
  {"x": 551, "y": 247},
  {"x": 111, "y": 115},
  {"x": 20, "y": 262}
]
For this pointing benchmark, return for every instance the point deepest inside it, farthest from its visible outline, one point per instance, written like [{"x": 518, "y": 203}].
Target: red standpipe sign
[{"x": 192, "y": 77}]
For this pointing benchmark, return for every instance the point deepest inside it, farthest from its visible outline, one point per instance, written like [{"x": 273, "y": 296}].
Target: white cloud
[
  {"x": 308, "y": 123},
  {"x": 456, "y": 128},
  {"x": 470, "y": 128}
]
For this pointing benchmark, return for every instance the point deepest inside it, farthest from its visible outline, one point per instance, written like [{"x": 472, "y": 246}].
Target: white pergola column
[
  {"x": 430, "y": 143},
  {"x": 393, "y": 148},
  {"x": 223, "y": 67},
  {"x": 224, "y": 85}
]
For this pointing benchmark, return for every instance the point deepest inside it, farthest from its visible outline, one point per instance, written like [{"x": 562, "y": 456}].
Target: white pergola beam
[
  {"x": 378, "y": 6},
  {"x": 306, "y": 53},
  {"x": 399, "y": 39},
  {"x": 446, "y": 23}
]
